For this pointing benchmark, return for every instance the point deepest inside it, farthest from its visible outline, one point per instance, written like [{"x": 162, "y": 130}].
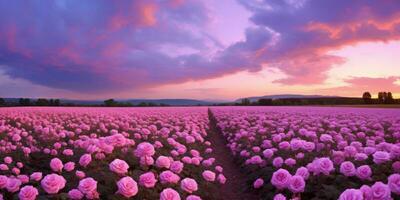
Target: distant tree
[
  {"x": 21, "y": 101},
  {"x": 24, "y": 102},
  {"x": 57, "y": 102},
  {"x": 125, "y": 104},
  {"x": 265, "y": 102},
  {"x": 381, "y": 97},
  {"x": 385, "y": 97},
  {"x": 151, "y": 104},
  {"x": 142, "y": 104},
  {"x": 367, "y": 97},
  {"x": 246, "y": 101},
  {"x": 389, "y": 98},
  {"x": 2, "y": 102},
  {"x": 110, "y": 103},
  {"x": 42, "y": 102}
]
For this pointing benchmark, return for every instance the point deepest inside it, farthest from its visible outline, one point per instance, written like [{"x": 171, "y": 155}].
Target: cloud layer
[
  {"x": 94, "y": 47},
  {"x": 308, "y": 30}
]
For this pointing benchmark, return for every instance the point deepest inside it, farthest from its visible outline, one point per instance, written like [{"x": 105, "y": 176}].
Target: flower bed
[
  {"x": 107, "y": 153},
  {"x": 315, "y": 153}
]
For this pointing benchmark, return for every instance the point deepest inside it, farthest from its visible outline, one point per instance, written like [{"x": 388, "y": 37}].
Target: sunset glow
[{"x": 198, "y": 49}]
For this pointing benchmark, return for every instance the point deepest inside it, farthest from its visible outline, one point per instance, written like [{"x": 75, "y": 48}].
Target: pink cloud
[
  {"x": 102, "y": 47},
  {"x": 308, "y": 32}
]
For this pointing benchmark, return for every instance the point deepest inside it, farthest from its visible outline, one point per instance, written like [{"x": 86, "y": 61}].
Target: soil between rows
[{"x": 236, "y": 185}]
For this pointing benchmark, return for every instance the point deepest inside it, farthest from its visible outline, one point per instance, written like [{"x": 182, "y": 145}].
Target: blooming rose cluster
[
  {"x": 99, "y": 153},
  {"x": 302, "y": 150}
]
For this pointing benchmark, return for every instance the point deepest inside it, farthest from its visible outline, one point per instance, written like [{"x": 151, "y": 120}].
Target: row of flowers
[
  {"x": 100, "y": 153},
  {"x": 310, "y": 152}
]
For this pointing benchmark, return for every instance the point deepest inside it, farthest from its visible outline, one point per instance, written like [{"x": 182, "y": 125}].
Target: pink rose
[
  {"x": 193, "y": 197},
  {"x": 169, "y": 194},
  {"x": 325, "y": 138},
  {"x": 146, "y": 160},
  {"x": 279, "y": 197},
  {"x": 16, "y": 171},
  {"x": 296, "y": 144},
  {"x": 53, "y": 183},
  {"x": 168, "y": 177},
  {"x": 308, "y": 146},
  {"x": 367, "y": 192},
  {"x": 127, "y": 187},
  {"x": 351, "y": 194},
  {"x": 119, "y": 166},
  {"x": 296, "y": 184},
  {"x": 277, "y": 162},
  {"x": 189, "y": 185},
  {"x": 28, "y": 193},
  {"x": 268, "y": 153},
  {"x": 163, "y": 162},
  {"x": 280, "y": 178},
  {"x": 36, "y": 176},
  {"x": 303, "y": 172},
  {"x": 284, "y": 145},
  {"x": 325, "y": 165},
  {"x": 68, "y": 152},
  {"x": 208, "y": 175},
  {"x": 80, "y": 174},
  {"x": 56, "y": 165},
  {"x": 195, "y": 161},
  {"x": 75, "y": 194},
  {"x": 147, "y": 180},
  {"x": 364, "y": 172},
  {"x": 290, "y": 162},
  {"x": 347, "y": 168},
  {"x": 381, "y": 157},
  {"x": 20, "y": 165},
  {"x": 3, "y": 181},
  {"x": 69, "y": 166},
  {"x": 221, "y": 179},
  {"x": 92, "y": 195},
  {"x": 13, "y": 185},
  {"x": 4, "y": 167},
  {"x": 219, "y": 169},
  {"x": 258, "y": 183},
  {"x": 360, "y": 156},
  {"x": 176, "y": 167},
  {"x": 394, "y": 183},
  {"x": 380, "y": 191},
  {"x": 144, "y": 149},
  {"x": 187, "y": 160},
  {"x": 23, "y": 178},
  {"x": 8, "y": 160},
  {"x": 87, "y": 185},
  {"x": 85, "y": 160}
]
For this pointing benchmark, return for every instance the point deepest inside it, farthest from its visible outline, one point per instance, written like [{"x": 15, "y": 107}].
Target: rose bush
[
  {"x": 314, "y": 152},
  {"x": 107, "y": 153}
]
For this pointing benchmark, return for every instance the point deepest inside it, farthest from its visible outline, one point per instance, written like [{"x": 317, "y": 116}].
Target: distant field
[
  {"x": 199, "y": 153},
  {"x": 369, "y": 106}
]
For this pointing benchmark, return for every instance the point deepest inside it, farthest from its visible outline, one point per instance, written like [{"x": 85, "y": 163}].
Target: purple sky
[{"x": 197, "y": 49}]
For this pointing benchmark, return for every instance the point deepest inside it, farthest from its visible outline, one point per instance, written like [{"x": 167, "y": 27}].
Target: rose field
[{"x": 196, "y": 153}]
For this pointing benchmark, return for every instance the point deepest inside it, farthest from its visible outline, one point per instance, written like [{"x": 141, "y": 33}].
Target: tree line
[
  {"x": 30, "y": 102},
  {"x": 57, "y": 102},
  {"x": 383, "y": 98},
  {"x": 113, "y": 103}
]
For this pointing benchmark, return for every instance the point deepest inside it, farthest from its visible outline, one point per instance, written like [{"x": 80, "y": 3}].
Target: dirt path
[{"x": 235, "y": 186}]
